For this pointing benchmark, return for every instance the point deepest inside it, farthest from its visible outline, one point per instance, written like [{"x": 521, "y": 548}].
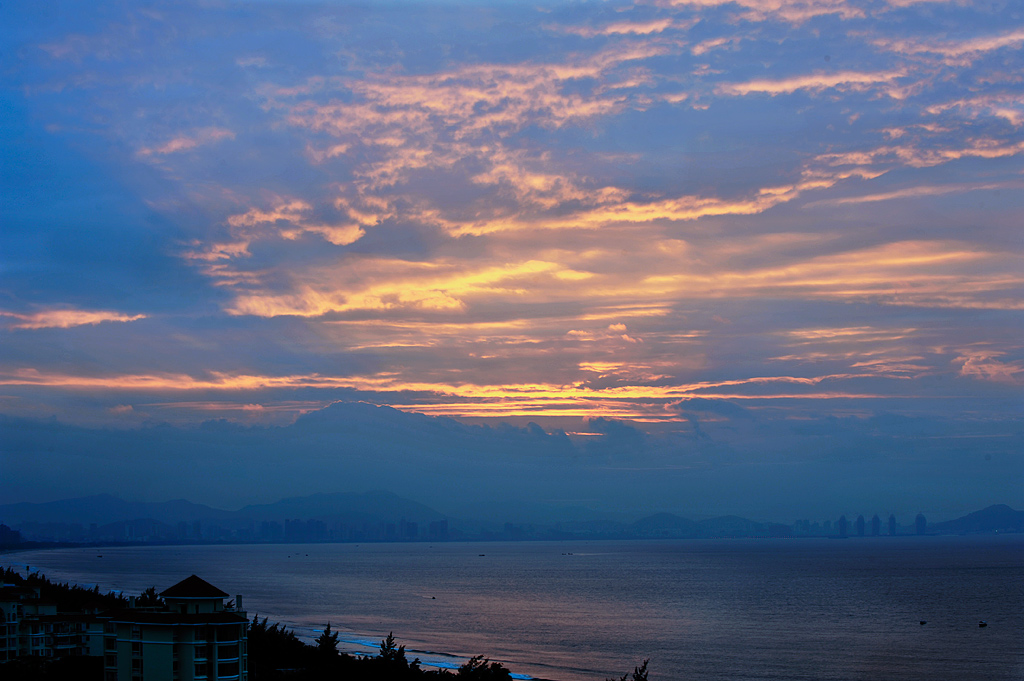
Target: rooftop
[{"x": 193, "y": 587}]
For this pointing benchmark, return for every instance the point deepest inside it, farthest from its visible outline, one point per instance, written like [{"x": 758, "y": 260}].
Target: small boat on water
[{"x": 982, "y": 623}]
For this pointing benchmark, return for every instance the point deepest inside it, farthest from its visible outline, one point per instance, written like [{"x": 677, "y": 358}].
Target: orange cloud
[
  {"x": 844, "y": 334},
  {"x": 610, "y": 208},
  {"x": 815, "y": 82},
  {"x": 292, "y": 213},
  {"x": 471, "y": 99},
  {"x": 983, "y": 365},
  {"x": 392, "y": 382},
  {"x": 713, "y": 43},
  {"x": 928, "y": 273},
  {"x": 614, "y": 331},
  {"x": 1006, "y": 106},
  {"x": 939, "y": 274},
  {"x": 65, "y": 319},
  {"x": 447, "y": 331},
  {"x": 534, "y": 186},
  {"x": 916, "y": 192},
  {"x": 386, "y": 284},
  {"x": 955, "y": 52},
  {"x": 793, "y": 11},
  {"x": 187, "y": 142},
  {"x": 620, "y": 28},
  {"x": 917, "y": 157},
  {"x": 433, "y": 120}
]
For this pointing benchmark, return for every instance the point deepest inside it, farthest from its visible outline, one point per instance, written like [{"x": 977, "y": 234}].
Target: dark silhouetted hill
[
  {"x": 103, "y": 509},
  {"x": 669, "y": 525},
  {"x": 998, "y": 518},
  {"x": 664, "y": 525},
  {"x": 343, "y": 507},
  {"x": 108, "y": 518}
]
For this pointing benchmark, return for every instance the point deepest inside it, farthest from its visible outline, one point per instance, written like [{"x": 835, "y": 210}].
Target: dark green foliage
[
  {"x": 277, "y": 654},
  {"x": 480, "y": 668},
  {"x": 274, "y": 649},
  {"x": 149, "y": 599},
  {"x": 390, "y": 663},
  {"x": 72, "y": 598},
  {"x": 391, "y": 653},
  {"x": 639, "y": 673},
  {"x": 327, "y": 642}
]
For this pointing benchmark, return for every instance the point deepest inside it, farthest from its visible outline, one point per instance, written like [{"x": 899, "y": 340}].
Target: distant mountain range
[
  {"x": 353, "y": 517},
  {"x": 669, "y": 525},
  {"x": 342, "y": 507},
  {"x": 103, "y": 509}
]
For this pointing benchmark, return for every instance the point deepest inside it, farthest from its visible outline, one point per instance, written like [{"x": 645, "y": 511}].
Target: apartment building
[
  {"x": 194, "y": 637},
  {"x": 31, "y": 627}
]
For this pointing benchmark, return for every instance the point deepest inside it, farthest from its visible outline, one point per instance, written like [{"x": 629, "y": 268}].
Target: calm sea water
[{"x": 575, "y": 611}]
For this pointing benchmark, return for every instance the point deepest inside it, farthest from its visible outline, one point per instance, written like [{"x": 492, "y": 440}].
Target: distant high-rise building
[
  {"x": 842, "y": 526},
  {"x": 409, "y": 529},
  {"x": 439, "y": 529},
  {"x": 920, "y": 524},
  {"x": 860, "y": 525},
  {"x": 892, "y": 524},
  {"x": 876, "y": 526}
]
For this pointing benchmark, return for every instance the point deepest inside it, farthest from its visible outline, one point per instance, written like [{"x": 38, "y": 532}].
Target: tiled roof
[{"x": 193, "y": 587}]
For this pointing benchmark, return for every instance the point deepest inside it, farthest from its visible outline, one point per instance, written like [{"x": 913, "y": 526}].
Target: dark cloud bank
[{"x": 750, "y": 465}]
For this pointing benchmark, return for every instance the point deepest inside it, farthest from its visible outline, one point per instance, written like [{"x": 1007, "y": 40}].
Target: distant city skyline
[
  {"x": 381, "y": 516},
  {"x": 701, "y": 255}
]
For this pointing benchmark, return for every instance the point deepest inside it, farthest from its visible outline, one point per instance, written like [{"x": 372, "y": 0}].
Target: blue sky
[{"x": 702, "y": 224}]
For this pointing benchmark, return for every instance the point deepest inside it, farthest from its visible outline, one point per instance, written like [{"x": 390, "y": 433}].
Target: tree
[
  {"x": 389, "y": 652},
  {"x": 639, "y": 673},
  {"x": 391, "y": 664},
  {"x": 150, "y": 599},
  {"x": 327, "y": 642},
  {"x": 480, "y": 668},
  {"x": 273, "y": 647}
]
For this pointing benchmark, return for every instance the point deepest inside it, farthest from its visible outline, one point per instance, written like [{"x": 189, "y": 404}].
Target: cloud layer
[{"x": 664, "y": 213}]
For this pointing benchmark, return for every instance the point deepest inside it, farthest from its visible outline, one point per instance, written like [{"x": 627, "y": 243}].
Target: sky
[{"x": 690, "y": 255}]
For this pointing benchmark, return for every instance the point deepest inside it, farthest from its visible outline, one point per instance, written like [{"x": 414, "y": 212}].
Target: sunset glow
[{"x": 785, "y": 210}]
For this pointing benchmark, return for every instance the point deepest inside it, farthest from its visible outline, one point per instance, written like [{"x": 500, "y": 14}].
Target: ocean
[{"x": 710, "y": 610}]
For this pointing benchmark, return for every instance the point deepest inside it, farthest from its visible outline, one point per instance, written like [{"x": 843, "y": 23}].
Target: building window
[
  {"x": 200, "y": 670},
  {"x": 227, "y": 669},
  {"x": 136, "y": 648},
  {"x": 200, "y": 653},
  {"x": 111, "y": 660},
  {"x": 136, "y": 631}
]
